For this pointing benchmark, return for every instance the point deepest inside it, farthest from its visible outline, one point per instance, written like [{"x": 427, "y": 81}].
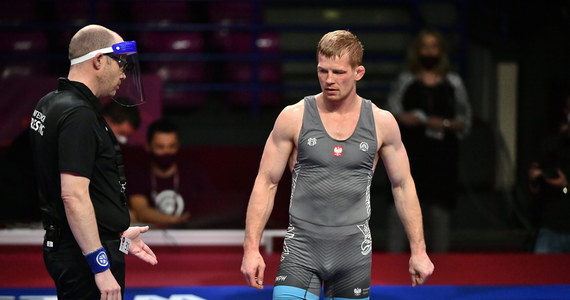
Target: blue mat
[{"x": 435, "y": 292}]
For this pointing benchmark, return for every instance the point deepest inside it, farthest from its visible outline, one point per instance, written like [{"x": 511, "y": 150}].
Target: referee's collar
[{"x": 66, "y": 84}]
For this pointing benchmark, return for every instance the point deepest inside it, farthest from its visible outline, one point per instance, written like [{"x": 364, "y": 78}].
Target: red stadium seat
[
  {"x": 160, "y": 12},
  {"x": 18, "y": 12},
  {"x": 81, "y": 12},
  {"x": 183, "y": 99},
  {"x": 176, "y": 70},
  {"x": 160, "y": 43},
  {"x": 179, "y": 71},
  {"x": 231, "y": 12},
  {"x": 171, "y": 41},
  {"x": 242, "y": 72},
  {"x": 242, "y": 42},
  {"x": 246, "y": 99},
  {"x": 22, "y": 43},
  {"x": 268, "y": 73}
]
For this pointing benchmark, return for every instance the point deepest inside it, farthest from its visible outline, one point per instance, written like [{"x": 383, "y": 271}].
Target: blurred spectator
[
  {"x": 156, "y": 194},
  {"x": 123, "y": 120},
  {"x": 430, "y": 103},
  {"x": 548, "y": 179}
]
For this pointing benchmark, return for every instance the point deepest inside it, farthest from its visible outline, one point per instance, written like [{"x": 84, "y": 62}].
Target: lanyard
[
  {"x": 118, "y": 158},
  {"x": 153, "y": 184}
]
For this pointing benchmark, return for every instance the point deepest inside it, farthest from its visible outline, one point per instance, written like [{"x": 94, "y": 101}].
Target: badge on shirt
[{"x": 337, "y": 151}]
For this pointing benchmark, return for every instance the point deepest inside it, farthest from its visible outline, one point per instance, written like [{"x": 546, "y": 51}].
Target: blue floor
[{"x": 540, "y": 292}]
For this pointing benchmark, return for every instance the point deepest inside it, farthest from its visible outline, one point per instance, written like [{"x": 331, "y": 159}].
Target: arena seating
[
  {"x": 17, "y": 12},
  {"x": 171, "y": 69},
  {"x": 80, "y": 12},
  {"x": 27, "y": 45},
  {"x": 159, "y": 12}
]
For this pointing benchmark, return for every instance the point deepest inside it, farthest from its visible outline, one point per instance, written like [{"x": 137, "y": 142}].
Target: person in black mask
[
  {"x": 431, "y": 106},
  {"x": 156, "y": 195}
]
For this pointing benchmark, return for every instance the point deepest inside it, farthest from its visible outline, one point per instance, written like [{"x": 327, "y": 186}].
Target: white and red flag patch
[{"x": 337, "y": 151}]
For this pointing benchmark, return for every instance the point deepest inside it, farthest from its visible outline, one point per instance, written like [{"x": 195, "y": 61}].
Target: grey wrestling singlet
[
  {"x": 328, "y": 243},
  {"x": 331, "y": 178}
]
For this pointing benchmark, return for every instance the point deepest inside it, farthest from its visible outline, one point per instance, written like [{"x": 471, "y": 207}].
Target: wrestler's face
[{"x": 337, "y": 77}]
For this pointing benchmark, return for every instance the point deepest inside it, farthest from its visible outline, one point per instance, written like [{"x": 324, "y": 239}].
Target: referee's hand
[
  {"x": 108, "y": 286},
  {"x": 137, "y": 247}
]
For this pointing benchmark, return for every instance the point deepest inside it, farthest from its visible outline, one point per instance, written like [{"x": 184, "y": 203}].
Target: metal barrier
[{"x": 159, "y": 237}]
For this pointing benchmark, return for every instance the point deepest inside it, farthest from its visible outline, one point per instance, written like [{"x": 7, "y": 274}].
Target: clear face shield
[{"x": 130, "y": 92}]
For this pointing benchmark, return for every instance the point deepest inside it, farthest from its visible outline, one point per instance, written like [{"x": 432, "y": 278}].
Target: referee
[{"x": 80, "y": 173}]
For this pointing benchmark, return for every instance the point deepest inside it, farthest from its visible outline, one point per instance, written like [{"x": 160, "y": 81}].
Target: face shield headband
[{"x": 130, "y": 92}]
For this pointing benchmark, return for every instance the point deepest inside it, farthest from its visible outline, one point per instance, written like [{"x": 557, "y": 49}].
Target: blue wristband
[{"x": 98, "y": 260}]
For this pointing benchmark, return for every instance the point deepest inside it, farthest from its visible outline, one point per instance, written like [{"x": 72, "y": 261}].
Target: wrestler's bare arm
[{"x": 279, "y": 148}]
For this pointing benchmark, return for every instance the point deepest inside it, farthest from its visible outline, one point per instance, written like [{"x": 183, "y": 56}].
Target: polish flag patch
[{"x": 337, "y": 151}]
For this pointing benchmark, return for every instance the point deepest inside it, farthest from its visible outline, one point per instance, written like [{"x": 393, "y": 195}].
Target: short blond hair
[{"x": 339, "y": 42}]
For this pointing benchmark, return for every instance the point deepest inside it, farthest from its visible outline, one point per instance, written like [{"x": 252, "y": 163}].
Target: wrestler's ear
[{"x": 359, "y": 72}]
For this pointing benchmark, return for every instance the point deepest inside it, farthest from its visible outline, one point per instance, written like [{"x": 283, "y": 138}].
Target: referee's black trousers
[{"x": 72, "y": 275}]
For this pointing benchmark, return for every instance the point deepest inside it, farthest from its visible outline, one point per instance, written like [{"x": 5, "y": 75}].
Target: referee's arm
[{"x": 81, "y": 218}]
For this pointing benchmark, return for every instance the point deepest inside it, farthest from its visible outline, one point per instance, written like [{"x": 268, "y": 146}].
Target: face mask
[
  {"x": 163, "y": 162},
  {"x": 429, "y": 62},
  {"x": 122, "y": 139}
]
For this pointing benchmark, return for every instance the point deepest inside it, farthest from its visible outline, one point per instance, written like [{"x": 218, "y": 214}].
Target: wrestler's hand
[
  {"x": 108, "y": 286},
  {"x": 421, "y": 268},
  {"x": 137, "y": 247},
  {"x": 253, "y": 268}
]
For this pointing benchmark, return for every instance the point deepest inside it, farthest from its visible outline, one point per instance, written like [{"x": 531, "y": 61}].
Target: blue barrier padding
[{"x": 435, "y": 292}]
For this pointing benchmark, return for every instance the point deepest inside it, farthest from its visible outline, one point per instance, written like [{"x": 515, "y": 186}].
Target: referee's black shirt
[{"x": 69, "y": 136}]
